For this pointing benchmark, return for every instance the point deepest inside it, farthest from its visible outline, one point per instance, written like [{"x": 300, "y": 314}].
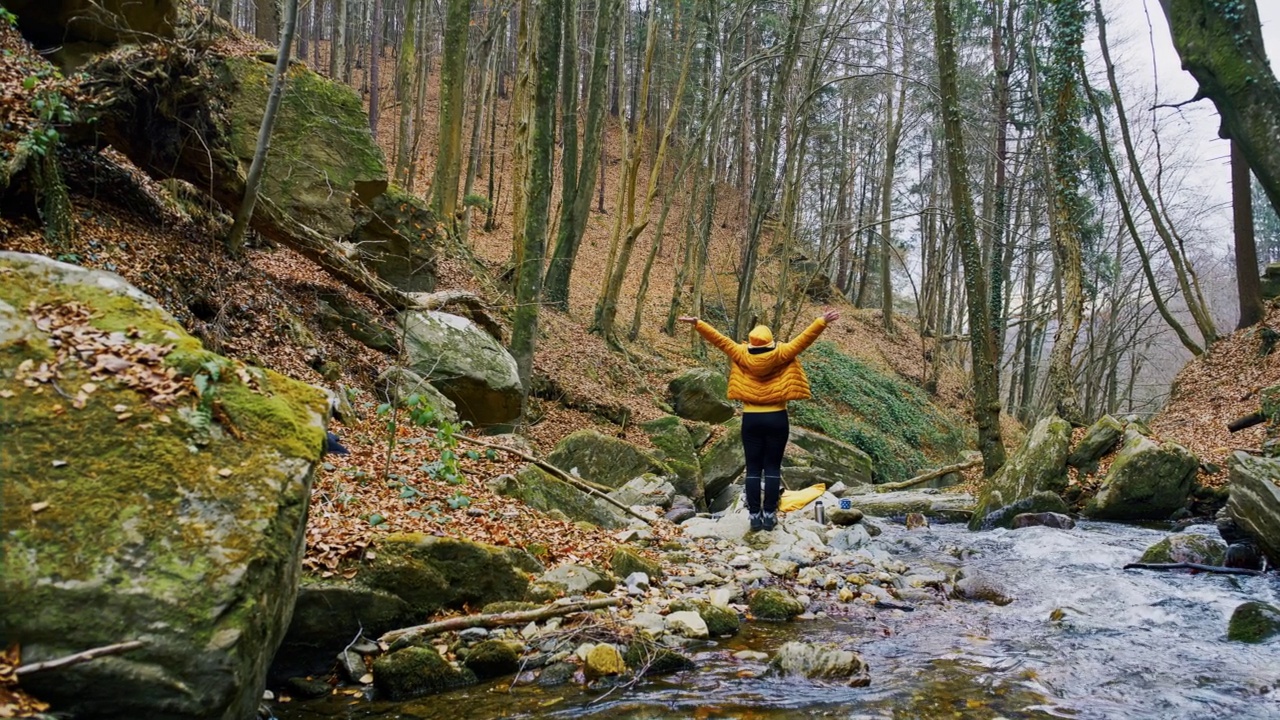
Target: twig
[
  {"x": 1192, "y": 566},
  {"x": 930, "y": 475},
  {"x": 87, "y": 655},
  {"x": 492, "y": 620}
]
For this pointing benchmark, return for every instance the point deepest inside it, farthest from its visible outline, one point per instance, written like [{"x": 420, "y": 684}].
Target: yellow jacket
[{"x": 765, "y": 381}]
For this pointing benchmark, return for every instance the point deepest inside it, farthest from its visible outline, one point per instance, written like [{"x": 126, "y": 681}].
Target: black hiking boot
[
  {"x": 757, "y": 522},
  {"x": 770, "y": 520}
]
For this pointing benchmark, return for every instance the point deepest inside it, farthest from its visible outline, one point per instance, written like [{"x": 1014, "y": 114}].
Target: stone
[
  {"x": 699, "y": 394},
  {"x": 464, "y": 363},
  {"x": 723, "y": 461},
  {"x": 751, "y": 655},
  {"x": 821, "y": 661},
  {"x": 578, "y": 580},
  {"x": 637, "y": 583},
  {"x": 1039, "y": 465},
  {"x": 305, "y": 688},
  {"x": 1254, "y": 502},
  {"x": 656, "y": 661},
  {"x": 651, "y": 623},
  {"x": 1243, "y": 555},
  {"x": 849, "y": 539},
  {"x": 983, "y": 588},
  {"x": 399, "y": 385},
  {"x": 676, "y": 448},
  {"x": 1043, "y": 519},
  {"x": 432, "y": 573},
  {"x": 648, "y": 490},
  {"x": 841, "y": 462},
  {"x": 687, "y": 623},
  {"x": 774, "y": 604},
  {"x": 604, "y": 460},
  {"x": 395, "y": 236},
  {"x": 160, "y": 523},
  {"x": 942, "y": 507},
  {"x": 625, "y": 562},
  {"x": 700, "y": 432},
  {"x": 680, "y": 514},
  {"x": 557, "y": 674},
  {"x": 1146, "y": 481},
  {"x": 1041, "y": 503},
  {"x": 543, "y": 491},
  {"x": 603, "y": 660},
  {"x": 1254, "y": 622},
  {"x": 1100, "y": 439},
  {"x": 353, "y": 666},
  {"x": 493, "y": 658},
  {"x": 722, "y": 596},
  {"x": 415, "y": 672},
  {"x": 844, "y": 518},
  {"x": 719, "y": 619},
  {"x": 1186, "y": 547},
  {"x": 326, "y": 615},
  {"x": 801, "y": 477}
]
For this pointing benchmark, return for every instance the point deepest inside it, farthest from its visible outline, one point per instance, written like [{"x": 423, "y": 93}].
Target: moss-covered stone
[
  {"x": 1039, "y": 502},
  {"x": 1146, "y": 481},
  {"x": 493, "y": 658},
  {"x": 465, "y": 363},
  {"x": 397, "y": 235},
  {"x": 651, "y": 660},
  {"x": 1254, "y": 622},
  {"x": 542, "y": 491},
  {"x": 724, "y": 460},
  {"x": 578, "y": 579},
  {"x": 699, "y": 394},
  {"x": 1186, "y": 547},
  {"x": 720, "y": 620},
  {"x": 625, "y": 561},
  {"x": 773, "y": 604},
  {"x": 431, "y": 573},
  {"x": 838, "y": 461},
  {"x": 1039, "y": 465},
  {"x": 1254, "y": 502},
  {"x": 1098, "y": 440},
  {"x": 676, "y": 448},
  {"x": 603, "y": 660},
  {"x": 417, "y": 671},
  {"x": 170, "y": 525},
  {"x": 508, "y": 606},
  {"x": 605, "y": 460}
]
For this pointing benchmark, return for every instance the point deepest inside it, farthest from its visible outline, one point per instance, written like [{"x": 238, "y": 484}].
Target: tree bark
[
  {"x": 338, "y": 46},
  {"x": 453, "y": 83},
  {"x": 375, "y": 58},
  {"x": 1247, "y": 280},
  {"x": 406, "y": 66},
  {"x": 493, "y": 620}
]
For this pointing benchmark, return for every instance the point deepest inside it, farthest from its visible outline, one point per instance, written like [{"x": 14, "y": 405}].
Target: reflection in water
[{"x": 1084, "y": 639}]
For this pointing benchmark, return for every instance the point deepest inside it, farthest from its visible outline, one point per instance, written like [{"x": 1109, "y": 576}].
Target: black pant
[{"x": 764, "y": 438}]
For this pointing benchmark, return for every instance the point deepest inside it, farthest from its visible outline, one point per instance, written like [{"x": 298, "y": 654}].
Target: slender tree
[
  {"x": 453, "y": 79},
  {"x": 1249, "y": 285}
]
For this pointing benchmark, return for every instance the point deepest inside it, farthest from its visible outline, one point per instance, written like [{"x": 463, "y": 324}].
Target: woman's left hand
[
  {"x": 689, "y": 319},
  {"x": 831, "y": 316}
]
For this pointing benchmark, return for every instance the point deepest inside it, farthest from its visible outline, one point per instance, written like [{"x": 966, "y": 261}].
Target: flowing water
[{"x": 1128, "y": 644}]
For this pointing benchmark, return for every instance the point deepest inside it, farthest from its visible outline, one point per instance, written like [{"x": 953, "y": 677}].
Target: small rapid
[{"x": 1082, "y": 639}]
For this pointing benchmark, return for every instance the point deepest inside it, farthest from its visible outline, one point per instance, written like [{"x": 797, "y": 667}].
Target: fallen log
[
  {"x": 926, "y": 477},
  {"x": 1247, "y": 421},
  {"x": 80, "y": 657},
  {"x": 409, "y": 635},
  {"x": 1192, "y": 566}
]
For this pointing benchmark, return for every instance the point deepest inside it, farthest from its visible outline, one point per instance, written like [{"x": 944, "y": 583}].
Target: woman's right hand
[
  {"x": 689, "y": 319},
  {"x": 831, "y": 316}
]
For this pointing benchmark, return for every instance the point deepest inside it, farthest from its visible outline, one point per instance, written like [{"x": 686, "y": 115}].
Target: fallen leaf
[
  {"x": 37, "y": 507},
  {"x": 59, "y": 463},
  {"x": 225, "y": 472}
]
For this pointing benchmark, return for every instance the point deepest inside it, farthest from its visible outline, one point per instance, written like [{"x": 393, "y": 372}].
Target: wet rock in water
[
  {"x": 626, "y": 561},
  {"x": 1146, "y": 481},
  {"x": 306, "y": 688},
  {"x": 751, "y": 655},
  {"x": 557, "y": 674},
  {"x": 1230, "y": 531},
  {"x": 821, "y": 661},
  {"x": 1255, "y": 501},
  {"x": 1243, "y": 555},
  {"x": 981, "y": 587},
  {"x": 687, "y": 623},
  {"x": 1188, "y": 548},
  {"x": 873, "y": 529},
  {"x": 916, "y": 521},
  {"x": 699, "y": 394},
  {"x": 605, "y": 460},
  {"x": 774, "y": 604},
  {"x": 493, "y": 658},
  {"x": 578, "y": 579},
  {"x": 417, "y": 671},
  {"x": 1038, "y": 465},
  {"x": 603, "y": 660},
  {"x": 1254, "y": 622},
  {"x": 719, "y": 620},
  {"x": 1098, "y": 440},
  {"x": 354, "y": 666},
  {"x": 1043, "y": 502},
  {"x": 944, "y": 507},
  {"x": 844, "y": 518},
  {"x": 649, "y": 660},
  {"x": 1043, "y": 519}
]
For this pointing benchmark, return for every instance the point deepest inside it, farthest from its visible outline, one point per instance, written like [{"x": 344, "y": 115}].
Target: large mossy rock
[
  {"x": 723, "y": 460},
  {"x": 821, "y": 661},
  {"x": 396, "y": 234},
  {"x": 676, "y": 449},
  {"x": 699, "y": 394},
  {"x": 542, "y": 491},
  {"x": 1098, "y": 440},
  {"x": 1186, "y": 548},
  {"x": 1254, "y": 622},
  {"x": 465, "y": 364},
  {"x": 838, "y": 461},
  {"x": 1146, "y": 481},
  {"x": 1254, "y": 502},
  {"x": 1039, "y": 465},
  {"x": 129, "y": 514},
  {"x": 1039, "y": 502},
  {"x": 605, "y": 460},
  {"x": 415, "y": 672},
  {"x": 431, "y": 573}
]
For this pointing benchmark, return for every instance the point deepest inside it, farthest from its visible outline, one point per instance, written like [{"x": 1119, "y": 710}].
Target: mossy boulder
[
  {"x": 1254, "y": 503},
  {"x": 542, "y": 491},
  {"x": 605, "y": 460},
  {"x": 820, "y": 661},
  {"x": 720, "y": 620},
  {"x": 838, "y": 461},
  {"x": 493, "y": 658},
  {"x": 1188, "y": 548},
  {"x": 646, "y": 490},
  {"x": 431, "y": 573},
  {"x": 1039, "y": 465},
  {"x": 652, "y": 660},
  {"x": 603, "y": 660},
  {"x": 1037, "y": 503},
  {"x": 699, "y": 394},
  {"x": 1254, "y": 622},
  {"x": 465, "y": 363},
  {"x": 327, "y": 614},
  {"x": 724, "y": 460},
  {"x": 1146, "y": 481},
  {"x": 577, "y": 579},
  {"x": 417, "y": 671},
  {"x": 676, "y": 448},
  {"x": 397, "y": 236},
  {"x": 773, "y": 604},
  {"x": 625, "y": 561},
  {"x": 132, "y": 513},
  {"x": 399, "y": 385},
  {"x": 1098, "y": 440}
]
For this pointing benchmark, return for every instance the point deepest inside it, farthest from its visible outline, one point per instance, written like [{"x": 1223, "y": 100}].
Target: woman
[{"x": 765, "y": 376}]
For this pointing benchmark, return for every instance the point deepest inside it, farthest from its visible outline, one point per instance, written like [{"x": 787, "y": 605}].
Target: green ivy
[{"x": 892, "y": 421}]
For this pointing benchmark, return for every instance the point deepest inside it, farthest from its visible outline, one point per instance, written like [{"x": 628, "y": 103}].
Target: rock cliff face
[{"x": 152, "y": 491}]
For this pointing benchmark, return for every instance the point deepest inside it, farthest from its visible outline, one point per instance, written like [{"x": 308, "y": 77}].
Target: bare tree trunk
[
  {"x": 338, "y": 43},
  {"x": 1247, "y": 280},
  {"x": 267, "y": 20},
  {"x": 453, "y": 83},
  {"x": 375, "y": 58},
  {"x": 406, "y": 66}
]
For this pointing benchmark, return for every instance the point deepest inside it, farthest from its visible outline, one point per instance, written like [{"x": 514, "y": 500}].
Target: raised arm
[
  {"x": 725, "y": 344},
  {"x": 789, "y": 350}
]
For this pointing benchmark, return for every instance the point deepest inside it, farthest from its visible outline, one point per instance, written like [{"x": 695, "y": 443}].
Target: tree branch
[
  {"x": 409, "y": 635},
  {"x": 80, "y": 657}
]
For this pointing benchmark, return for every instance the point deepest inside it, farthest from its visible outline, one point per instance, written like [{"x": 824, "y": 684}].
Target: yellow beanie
[{"x": 760, "y": 336}]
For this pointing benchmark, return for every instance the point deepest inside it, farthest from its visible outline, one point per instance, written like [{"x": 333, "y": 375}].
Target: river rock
[
  {"x": 781, "y": 568},
  {"x": 916, "y": 521},
  {"x": 1038, "y": 503},
  {"x": 1098, "y": 440},
  {"x": 1243, "y": 555},
  {"x": 688, "y": 624},
  {"x": 838, "y": 461},
  {"x": 1043, "y": 519},
  {"x": 849, "y": 539},
  {"x": 676, "y": 449},
  {"x": 128, "y": 515},
  {"x": 637, "y": 583},
  {"x": 678, "y": 515},
  {"x": 719, "y": 619},
  {"x": 603, "y": 660},
  {"x": 326, "y": 615},
  {"x": 578, "y": 579},
  {"x": 699, "y": 394},
  {"x": 723, "y": 461},
  {"x": 943, "y": 507},
  {"x": 821, "y": 661},
  {"x": 774, "y": 604},
  {"x": 652, "y": 624},
  {"x": 543, "y": 491},
  {"x": 656, "y": 661},
  {"x": 626, "y": 561},
  {"x": 1188, "y": 548},
  {"x": 604, "y": 460},
  {"x": 493, "y": 658},
  {"x": 648, "y": 490},
  {"x": 980, "y": 587},
  {"x": 1039, "y": 465},
  {"x": 556, "y": 674},
  {"x": 1254, "y": 503},
  {"x": 1254, "y": 622},
  {"x": 1146, "y": 481},
  {"x": 417, "y": 671},
  {"x": 844, "y": 518},
  {"x": 431, "y": 573},
  {"x": 465, "y": 363}
]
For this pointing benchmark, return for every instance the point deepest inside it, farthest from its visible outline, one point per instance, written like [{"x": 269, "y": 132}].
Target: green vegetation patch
[{"x": 892, "y": 421}]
